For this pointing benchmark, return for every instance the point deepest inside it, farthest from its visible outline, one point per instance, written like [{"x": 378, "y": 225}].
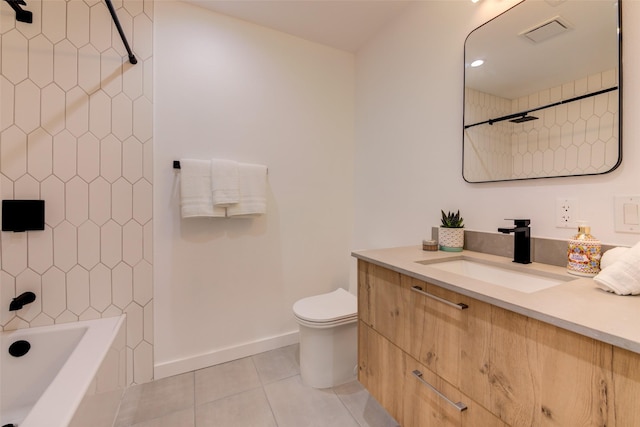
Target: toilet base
[{"x": 328, "y": 356}]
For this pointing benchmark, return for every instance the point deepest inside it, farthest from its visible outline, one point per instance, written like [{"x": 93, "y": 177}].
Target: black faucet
[
  {"x": 22, "y": 300},
  {"x": 521, "y": 240}
]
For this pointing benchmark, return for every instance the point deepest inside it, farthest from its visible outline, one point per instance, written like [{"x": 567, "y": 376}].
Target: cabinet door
[
  {"x": 380, "y": 370},
  {"x": 541, "y": 375},
  {"x": 387, "y": 306},
  {"x": 626, "y": 379},
  {"x": 447, "y": 331},
  {"x": 363, "y": 354},
  {"x": 431, "y": 401}
]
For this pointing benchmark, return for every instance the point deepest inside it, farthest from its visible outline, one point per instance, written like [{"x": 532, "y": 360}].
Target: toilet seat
[{"x": 327, "y": 310}]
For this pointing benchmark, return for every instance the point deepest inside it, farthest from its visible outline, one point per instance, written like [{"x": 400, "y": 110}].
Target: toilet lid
[{"x": 329, "y": 307}]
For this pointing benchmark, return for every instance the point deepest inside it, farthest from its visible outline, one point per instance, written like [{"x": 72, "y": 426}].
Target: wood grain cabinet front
[
  {"x": 380, "y": 370},
  {"x": 535, "y": 374},
  {"x": 422, "y": 347},
  {"x": 430, "y": 401},
  {"x": 439, "y": 328},
  {"x": 446, "y": 330},
  {"x": 384, "y": 302},
  {"x": 409, "y": 391}
]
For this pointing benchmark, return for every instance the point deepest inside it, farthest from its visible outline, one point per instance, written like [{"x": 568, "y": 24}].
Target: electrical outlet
[{"x": 566, "y": 212}]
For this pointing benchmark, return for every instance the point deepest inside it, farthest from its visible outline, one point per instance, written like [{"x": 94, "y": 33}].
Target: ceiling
[
  {"x": 345, "y": 25},
  {"x": 515, "y": 66}
]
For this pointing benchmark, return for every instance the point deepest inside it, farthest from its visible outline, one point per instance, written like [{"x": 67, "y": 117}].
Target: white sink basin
[{"x": 526, "y": 282}]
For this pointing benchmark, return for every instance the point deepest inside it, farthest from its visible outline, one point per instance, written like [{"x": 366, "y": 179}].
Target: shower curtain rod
[
  {"x": 522, "y": 114},
  {"x": 21, "y": 15},
  {"x": 132, "y": 58},
  {"x": 26, "y": 16}
]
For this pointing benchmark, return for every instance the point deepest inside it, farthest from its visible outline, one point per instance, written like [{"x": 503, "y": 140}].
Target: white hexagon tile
[
  {"x": 538, "y": 148},
  {"x": 75, "y": 130}
]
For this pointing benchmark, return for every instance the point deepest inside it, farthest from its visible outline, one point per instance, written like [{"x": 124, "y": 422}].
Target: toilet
[{"x": 328, "y": 338}]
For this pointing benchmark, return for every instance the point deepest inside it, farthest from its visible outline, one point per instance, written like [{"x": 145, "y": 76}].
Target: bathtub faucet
[{"x": 22, "y": 300}]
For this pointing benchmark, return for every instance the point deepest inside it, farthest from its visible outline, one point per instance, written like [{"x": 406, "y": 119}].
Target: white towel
[
  {"x": 225, "y": 186},
  {"x": 623, "y": 276},
  {"x": 195, "y": 190},
  {"x": 253, "y": 191},
  {"x": 611, "y": 256}
]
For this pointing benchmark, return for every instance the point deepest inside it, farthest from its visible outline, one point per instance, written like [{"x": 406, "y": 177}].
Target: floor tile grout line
[
  {"x": 346, "y": 406},
  {"x": 193, "y": 405},
  {"x": 263, "y": 381},
  {"x": 226, "y": 397},
  {"x": 270, "y": 372},
  {"x": 194, "y": 399},
  {"x": 273, "y": 414}
]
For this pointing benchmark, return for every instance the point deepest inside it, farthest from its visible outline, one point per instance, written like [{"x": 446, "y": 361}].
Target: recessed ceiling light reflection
[{"x": 477, "y": 63}]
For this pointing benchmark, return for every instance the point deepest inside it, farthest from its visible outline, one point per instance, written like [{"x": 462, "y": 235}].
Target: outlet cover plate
[{"x": 566, "y": 212}]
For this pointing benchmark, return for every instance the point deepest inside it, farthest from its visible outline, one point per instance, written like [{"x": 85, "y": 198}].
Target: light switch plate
[{"x": 627, "y": 214}]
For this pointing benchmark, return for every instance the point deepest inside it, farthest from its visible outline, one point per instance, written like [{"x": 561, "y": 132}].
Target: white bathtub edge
[
  {"x": 179, "y": 366},
  {"x": 74, "y": 379}
]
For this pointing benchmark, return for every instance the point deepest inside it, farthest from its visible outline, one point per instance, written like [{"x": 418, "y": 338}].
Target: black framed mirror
[{"x": 546, "y": 100}]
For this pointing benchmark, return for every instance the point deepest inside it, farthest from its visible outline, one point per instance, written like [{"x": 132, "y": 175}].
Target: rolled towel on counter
[
  {"x": 225, "y": 186},
  {"x": 623, "y": 276},
  {"x": 611, "y": 256},
  {"x": 253, "y": 191},
  {"x": 195, "y": 190}
]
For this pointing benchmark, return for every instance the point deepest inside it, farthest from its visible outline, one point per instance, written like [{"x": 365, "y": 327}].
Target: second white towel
[
  {"x": 253, "y": 191},
  {"x": 225, "y": 186}
]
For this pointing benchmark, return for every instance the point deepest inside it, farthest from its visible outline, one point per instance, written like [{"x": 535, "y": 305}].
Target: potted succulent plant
[{"x": 451, "y": 232}]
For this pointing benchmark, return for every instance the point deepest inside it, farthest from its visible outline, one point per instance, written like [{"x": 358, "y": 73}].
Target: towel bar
[{"x": 176, "y": 165}]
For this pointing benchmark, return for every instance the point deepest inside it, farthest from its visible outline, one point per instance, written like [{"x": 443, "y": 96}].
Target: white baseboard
[{"x": 180, "y": 366}]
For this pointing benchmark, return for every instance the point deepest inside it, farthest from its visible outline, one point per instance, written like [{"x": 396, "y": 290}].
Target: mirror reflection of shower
[{"x": 545, "y": 100}]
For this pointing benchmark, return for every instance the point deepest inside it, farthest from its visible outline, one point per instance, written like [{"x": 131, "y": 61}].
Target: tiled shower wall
[
  {"x": 575, "y": 138},
  {"x": 76, "y": 131},
  {"x": 487, "y": 148}
]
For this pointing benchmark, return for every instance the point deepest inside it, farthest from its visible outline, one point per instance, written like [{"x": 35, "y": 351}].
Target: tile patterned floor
[{"x": 264, "y": 390}]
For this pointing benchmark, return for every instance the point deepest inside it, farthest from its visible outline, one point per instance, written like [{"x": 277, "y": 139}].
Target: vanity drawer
[
  {"x": 383, "y": 302},
  {"x": 446, "y": 330},
  {"x": 540, "y": 375},
  {"x": 431, "y": 401},
  {"x": 381, "y": 365},
  {"x": 441, "y": 329},
  {"x": 518, "y": 371}
]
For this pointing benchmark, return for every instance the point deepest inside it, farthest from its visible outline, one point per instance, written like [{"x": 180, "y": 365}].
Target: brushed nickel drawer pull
[
  {"x": 459, "y": 405},
  {"x": 459, "y": 306}
]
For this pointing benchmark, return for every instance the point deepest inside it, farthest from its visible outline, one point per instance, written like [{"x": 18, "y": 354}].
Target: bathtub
[{"x": 73, "y": 375}]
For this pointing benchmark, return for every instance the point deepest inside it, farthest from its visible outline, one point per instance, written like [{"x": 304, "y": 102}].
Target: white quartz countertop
[{"x": 577, "y": 305}]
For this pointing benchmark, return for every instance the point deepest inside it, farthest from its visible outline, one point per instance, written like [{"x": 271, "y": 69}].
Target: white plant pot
[{"x": 451, "y": 239}]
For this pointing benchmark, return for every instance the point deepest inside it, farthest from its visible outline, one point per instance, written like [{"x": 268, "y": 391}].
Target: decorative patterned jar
[{"x": 584, "y": 253}]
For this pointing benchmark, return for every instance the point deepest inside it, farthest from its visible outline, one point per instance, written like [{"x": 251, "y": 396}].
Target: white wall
[
  {"x": 225, "y": 88},
  {"x": 409, "y": 137}
]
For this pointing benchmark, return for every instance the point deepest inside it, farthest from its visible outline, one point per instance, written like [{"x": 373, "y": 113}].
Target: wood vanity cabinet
[
  {"x": 508, "y": 369},
  {"x": 402, "y": 385}
]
